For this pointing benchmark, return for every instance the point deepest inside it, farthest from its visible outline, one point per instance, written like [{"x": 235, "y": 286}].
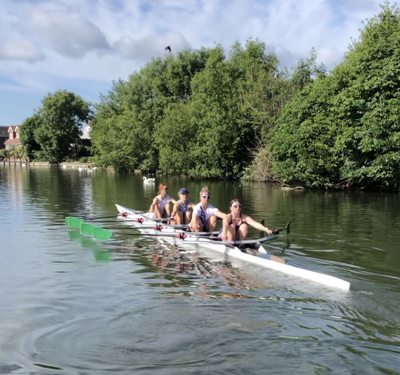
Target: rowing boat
[{"x": 166, "y": 233}]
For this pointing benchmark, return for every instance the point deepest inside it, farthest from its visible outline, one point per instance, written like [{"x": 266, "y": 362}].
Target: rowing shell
[{"x": 262, "y": 259}]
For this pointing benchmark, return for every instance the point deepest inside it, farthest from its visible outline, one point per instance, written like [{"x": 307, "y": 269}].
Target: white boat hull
[{"x": 166, "y": 234}]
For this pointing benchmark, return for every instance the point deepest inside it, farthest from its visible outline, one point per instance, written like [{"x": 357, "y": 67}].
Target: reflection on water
[
  {"x": 99, "y": 253},
  {"x": 70, "y": 305}
]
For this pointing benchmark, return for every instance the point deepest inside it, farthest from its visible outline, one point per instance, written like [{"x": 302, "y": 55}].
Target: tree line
[{"x": 238, "y": 114}]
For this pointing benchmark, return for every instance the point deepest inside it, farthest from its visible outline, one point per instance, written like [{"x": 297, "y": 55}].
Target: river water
[{"x": 69, "y": 305}]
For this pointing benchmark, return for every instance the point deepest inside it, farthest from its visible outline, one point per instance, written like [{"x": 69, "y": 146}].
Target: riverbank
[{"x": 72, "y": 165}]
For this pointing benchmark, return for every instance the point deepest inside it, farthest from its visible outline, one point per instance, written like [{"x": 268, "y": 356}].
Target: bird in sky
[{"x": 168, "y": 48}]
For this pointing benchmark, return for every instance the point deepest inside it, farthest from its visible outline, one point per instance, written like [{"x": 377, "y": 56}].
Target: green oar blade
[
  {"x": 73, "y": 222},
  {"x": 95, "y": 232},
  {"x": 101, "y": 234},
  {"x": 87, "y": 229}
]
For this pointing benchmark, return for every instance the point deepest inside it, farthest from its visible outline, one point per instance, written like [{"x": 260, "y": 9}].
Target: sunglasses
[{"x": 206, "y": 196}]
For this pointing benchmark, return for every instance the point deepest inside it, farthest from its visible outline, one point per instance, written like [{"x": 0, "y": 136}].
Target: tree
[
  {"x": 343, "y": 129},
  {"x": 174, "y": 137},
  {"x": 198, "y": 113},
  {"x": 217, "y": 133},
  {"x": 59, "y": 122},
  {"x": 264, "y": 90},
  {"x": 124, "y": 130},
  {"x": 27, "y": 135}
]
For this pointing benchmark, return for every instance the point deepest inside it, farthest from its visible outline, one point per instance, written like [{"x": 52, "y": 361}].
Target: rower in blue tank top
[{"x": 182, "y": 210}]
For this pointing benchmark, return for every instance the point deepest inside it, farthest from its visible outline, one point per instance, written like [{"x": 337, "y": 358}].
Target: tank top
[{"x": 163, "y": 202}]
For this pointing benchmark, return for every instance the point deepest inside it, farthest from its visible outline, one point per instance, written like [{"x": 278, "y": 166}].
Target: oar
[
  {"x": 286, "y": 229},
  {"x": 103, "y": 234},
  {"x": 146, "y": 216},
  {"x": 159, "y": 229},
  {"x": 277, "y": 230},
  {"x": 252, "y": 242},
  {"x": 88, "y": 218},
  {"x": 95, "y": 232},
  {"x": 73, "y": 222},
  {"x": 86, "y": 228}
]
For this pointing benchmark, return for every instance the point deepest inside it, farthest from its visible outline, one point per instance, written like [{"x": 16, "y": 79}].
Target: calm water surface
[{"x": 69, "y": 305}]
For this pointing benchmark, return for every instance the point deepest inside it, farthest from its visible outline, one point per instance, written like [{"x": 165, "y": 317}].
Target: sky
[{"x": 84, "y": 45}]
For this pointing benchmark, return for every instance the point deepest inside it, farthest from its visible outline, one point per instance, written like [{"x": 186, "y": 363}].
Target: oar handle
[{"x": 88, "y": 218}]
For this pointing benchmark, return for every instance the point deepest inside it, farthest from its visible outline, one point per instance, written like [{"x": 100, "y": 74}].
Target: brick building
[{"x": 9, "y": 137}]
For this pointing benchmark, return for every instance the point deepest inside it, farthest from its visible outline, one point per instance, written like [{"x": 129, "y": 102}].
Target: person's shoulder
[
  {"x": 246, "y": 217},
  {"x": 196, "y": 206}
]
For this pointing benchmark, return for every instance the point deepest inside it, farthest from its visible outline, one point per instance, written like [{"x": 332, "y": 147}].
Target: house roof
[{"x": 13, "y": 142}]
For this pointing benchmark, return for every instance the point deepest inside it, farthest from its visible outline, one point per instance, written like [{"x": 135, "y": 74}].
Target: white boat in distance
[{"x": 146, "y": 224}]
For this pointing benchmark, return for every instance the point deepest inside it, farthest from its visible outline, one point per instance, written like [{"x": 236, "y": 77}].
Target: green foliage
[
  {"x": 214, "y": 118},
  {"x": 53, "y": 133},
  {"x": 174, "y": 137},
  {"x": 27, "y": 135},
  {"x": 306, "y": 71},
  {"x": 343, "y": 130},
  {"x": 4, "y": 154},
  {"x": 199, "y": 113},
  {"x": 124, "y": 132},
  {"x": 233, "y": 102}
]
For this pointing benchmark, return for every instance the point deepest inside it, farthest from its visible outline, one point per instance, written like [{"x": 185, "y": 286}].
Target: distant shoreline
[{"x": 64, "y": 165}]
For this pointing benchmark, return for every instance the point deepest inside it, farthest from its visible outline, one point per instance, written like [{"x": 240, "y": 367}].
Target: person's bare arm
[
  {"x": 153, "y": 203},
  {"x": 174, "y": 209},
  {"x": 257, "y": 225}
]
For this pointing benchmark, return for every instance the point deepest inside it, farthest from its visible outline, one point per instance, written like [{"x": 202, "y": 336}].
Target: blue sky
[{"x": 84, "y": 45}]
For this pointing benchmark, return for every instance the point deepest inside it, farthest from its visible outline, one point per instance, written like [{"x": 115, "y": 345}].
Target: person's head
[
  {"x": 235, "y": 205},
  {"x": 183, "y": 193},
  {"x": 204, "y": 194},
  {"x": 162, "y": 189}
]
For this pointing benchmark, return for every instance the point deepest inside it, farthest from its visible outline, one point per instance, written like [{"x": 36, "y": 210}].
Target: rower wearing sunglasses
[
  {"x": 204, "y": 217},
  {"x": 235, "y": 225}
]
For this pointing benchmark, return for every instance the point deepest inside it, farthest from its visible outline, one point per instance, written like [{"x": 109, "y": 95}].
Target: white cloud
[
  {"x": 143, "y": 49},
  {"x": 20, "y": 49},
  {"x": 69, "y": 34},
  {"x": 87, "y": 44}
]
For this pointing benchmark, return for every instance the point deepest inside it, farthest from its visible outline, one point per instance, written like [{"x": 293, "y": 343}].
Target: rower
[
  {"x": 182, "y": 210},
  {"x": 161, "y": 204},
  {"x": 235, "y": 226},
  {"x": 204, "y": 217}
]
